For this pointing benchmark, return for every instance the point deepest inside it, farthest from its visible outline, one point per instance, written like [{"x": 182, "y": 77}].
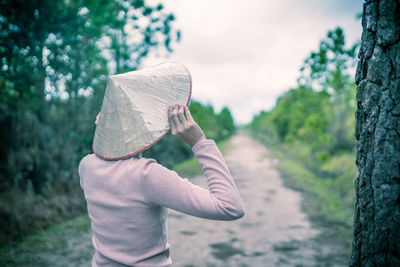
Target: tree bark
[{"x": 376, "y": 237}]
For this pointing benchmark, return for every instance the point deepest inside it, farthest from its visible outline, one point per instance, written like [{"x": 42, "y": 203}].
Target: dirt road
[{"x": 274, "y": 232}]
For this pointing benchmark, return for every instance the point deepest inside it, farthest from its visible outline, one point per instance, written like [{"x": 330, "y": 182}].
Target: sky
[{"x": 244, "y": 54}]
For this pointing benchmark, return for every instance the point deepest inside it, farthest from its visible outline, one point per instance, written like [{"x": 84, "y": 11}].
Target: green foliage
[
  {"x": 188, "y": 168},
  {"x": 330, "y": 197},
  {"x": 300, "y": 115},
  {"x": 135, "y": 19},
  {"x": 53, "y": 56},
  {"x": 329, "y": 69},
  {"x": 215, "y": 126},
  {"x": 323, "y": 119}
]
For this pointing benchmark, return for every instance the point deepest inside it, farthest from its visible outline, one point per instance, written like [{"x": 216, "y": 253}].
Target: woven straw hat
[{"x": 135, "y": 106}]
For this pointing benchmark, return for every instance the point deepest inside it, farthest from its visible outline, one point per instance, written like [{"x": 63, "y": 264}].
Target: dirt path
[{"x": 274, "y": 232}]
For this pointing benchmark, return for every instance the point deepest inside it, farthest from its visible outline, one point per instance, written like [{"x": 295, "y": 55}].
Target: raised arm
[{"x": 165, "y": 188}]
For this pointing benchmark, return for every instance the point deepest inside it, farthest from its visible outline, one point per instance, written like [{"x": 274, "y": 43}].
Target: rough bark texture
[{"x": 376, "y": 240}]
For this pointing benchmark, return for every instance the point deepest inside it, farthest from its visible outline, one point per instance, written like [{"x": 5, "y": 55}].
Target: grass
[
  {"x": 191, "y": 168},
  {"x": 323, "y": 192},
  {"x": 54, "y": 238},
  {"x": 323, "y": 202}
]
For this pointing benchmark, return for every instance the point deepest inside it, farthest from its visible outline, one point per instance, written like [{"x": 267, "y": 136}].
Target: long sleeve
[{"x": 166, "y": 188}]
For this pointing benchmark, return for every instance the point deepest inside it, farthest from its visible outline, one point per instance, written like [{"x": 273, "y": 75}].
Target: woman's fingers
[
  {"x": 175, "y": 117},
  {"x": 184, "y": 127},
  {"x": 174, "y": 121},
  {"x": 181, "y": 115},
  {"x": 170, "y": 120}
]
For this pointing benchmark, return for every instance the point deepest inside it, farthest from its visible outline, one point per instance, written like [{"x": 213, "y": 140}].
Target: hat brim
[{"x": 155, "y": 141}]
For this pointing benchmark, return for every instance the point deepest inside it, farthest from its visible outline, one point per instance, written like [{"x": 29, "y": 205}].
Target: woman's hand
[{"x": 186, "y": 129}]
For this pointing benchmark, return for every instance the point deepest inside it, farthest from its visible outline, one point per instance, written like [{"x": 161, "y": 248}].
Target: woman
[{"x": 127, "y": 199}]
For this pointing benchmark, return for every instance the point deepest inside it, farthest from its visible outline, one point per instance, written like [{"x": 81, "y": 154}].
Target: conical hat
[{"x": 135, "y": 106}]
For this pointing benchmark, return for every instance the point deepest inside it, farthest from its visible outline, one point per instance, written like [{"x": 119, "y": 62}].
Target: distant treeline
[
  {"x": 313, "y": 128},
  {"x": 55, "y": 58}
]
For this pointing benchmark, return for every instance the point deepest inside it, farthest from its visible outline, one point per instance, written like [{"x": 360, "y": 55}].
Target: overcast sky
[{"x": 245, "y": 53}]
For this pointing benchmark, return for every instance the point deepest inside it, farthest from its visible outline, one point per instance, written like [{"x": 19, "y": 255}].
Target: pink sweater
[{"x": 127, "y": 202}]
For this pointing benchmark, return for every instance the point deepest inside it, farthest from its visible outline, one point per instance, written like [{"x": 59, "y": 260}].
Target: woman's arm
[{"x": 165, "y": 188}]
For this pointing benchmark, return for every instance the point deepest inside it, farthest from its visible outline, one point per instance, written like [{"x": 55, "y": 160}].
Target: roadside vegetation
[{"x": 311, "y": 131}]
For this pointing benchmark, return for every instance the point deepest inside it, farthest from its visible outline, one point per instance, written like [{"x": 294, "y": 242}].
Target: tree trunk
[{"x": 376, "y": 238}]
